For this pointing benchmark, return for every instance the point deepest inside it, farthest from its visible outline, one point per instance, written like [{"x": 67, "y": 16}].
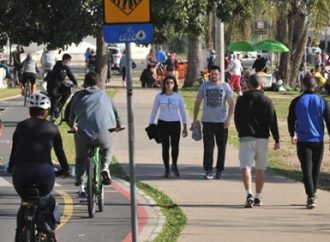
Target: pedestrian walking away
[
  {"x": 170, "y": 104},
  {"x": 254, "y": 117},
  {"x": 216, "y": 96},
  {"x": 306, "y": 117}
]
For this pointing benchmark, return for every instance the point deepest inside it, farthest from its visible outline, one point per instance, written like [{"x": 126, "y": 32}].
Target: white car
[{"x": 115, "y": 55}]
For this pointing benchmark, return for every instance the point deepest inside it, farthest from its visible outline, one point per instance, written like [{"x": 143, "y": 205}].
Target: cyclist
[
  {"x": 29, "y": 70},
  {"x": 94, "y": 113},
  {"x": 30, "y": 158},
  {"x": 57, "y": 89}
]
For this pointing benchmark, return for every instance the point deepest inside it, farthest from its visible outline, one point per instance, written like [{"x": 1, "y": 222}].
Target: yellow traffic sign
[{"x": 126, "y": 11}]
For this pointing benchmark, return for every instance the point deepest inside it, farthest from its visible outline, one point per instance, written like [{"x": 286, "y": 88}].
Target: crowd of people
[
  {"x": 255, "y": 120},
  {"x": 254, "y": 115},
  {"x": 159, "y": 64},
  {"x": 33, "y": 139}
]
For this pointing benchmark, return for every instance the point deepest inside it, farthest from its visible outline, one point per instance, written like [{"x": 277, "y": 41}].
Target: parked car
[{"x": 114, "y": 57}]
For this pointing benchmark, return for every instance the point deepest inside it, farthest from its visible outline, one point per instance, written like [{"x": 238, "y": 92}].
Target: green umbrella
[
  {"x": 241, "y": 46},
  {"x": 271, "y": 46}
]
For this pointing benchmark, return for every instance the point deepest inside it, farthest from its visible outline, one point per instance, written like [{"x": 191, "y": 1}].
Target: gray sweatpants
[{"x": 82, "y": 143}]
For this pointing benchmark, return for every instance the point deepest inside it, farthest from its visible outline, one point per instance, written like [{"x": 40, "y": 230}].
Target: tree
[
  {"x": 293, "y": 24},
  {"x": 56, "y": 23}
]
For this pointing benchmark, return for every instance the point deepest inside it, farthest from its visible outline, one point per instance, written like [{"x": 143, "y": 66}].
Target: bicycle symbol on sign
[{"x": 131, "y": 36}]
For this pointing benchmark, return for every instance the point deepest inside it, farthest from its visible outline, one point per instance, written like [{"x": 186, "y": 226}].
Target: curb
[{"x": 150, "y": 217}]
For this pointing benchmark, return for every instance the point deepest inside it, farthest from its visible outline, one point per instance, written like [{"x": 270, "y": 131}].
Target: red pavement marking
[{"x": 141, "y": 211}]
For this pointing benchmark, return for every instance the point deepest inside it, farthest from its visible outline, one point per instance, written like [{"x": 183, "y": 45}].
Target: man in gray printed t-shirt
[{"x": 215, "y": 118}]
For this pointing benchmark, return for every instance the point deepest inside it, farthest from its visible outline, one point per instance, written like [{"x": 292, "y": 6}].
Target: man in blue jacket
[
  {"x": 306, "y": 128},
  {"x": 254, "y": 117}
]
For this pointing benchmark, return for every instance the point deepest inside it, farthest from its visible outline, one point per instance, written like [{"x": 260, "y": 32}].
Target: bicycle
[
  {"x": 58, "y": 116},
  {"x": 27, "y": 91},
  {"x": 93, "y": 180},
  {"x": 30, "y": 232}
]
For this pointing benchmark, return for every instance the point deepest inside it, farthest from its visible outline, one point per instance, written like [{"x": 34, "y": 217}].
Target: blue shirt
[{"x": 307, "y": 114}]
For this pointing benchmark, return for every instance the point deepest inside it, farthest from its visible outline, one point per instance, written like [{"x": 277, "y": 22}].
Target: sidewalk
[{"x": 214, "y": 208}]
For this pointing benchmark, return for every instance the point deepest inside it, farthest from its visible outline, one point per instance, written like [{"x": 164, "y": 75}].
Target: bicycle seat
[{"x": 32, "y": 195}]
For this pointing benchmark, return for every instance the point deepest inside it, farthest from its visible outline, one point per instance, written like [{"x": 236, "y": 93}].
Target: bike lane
[{"x": 114, "y": 224}]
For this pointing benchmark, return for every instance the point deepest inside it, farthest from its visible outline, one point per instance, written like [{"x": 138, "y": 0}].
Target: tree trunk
[
  {"x": 299, "y": 40},
  {"x": 282, "y": 33},
  {"x": 228, "y": 33},
  {"x": 194, "y": 59},
  {"x": 292, "y": 26},
  {"x": 101, "y": 59},
  {"x": 210, "y": 30}
]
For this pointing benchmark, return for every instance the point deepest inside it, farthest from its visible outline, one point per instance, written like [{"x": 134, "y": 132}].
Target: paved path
[{"x": 215, "y": 208}]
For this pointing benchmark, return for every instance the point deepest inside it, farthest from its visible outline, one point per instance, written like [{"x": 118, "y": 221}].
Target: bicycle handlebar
[{"x": 110, "y": 130}]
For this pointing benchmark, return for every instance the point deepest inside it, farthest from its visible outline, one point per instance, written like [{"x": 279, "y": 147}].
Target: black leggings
[
  {"x": 310, "y": 155},
  {"x": 27, "y": 175},
  {"x": 169, "y": 132}
]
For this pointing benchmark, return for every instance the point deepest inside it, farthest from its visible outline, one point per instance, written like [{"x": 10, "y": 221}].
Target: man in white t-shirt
[{"x": 216, "y": 95}]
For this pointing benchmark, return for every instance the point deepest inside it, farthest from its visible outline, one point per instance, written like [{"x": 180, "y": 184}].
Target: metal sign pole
[{"x": 130, "y": 121}]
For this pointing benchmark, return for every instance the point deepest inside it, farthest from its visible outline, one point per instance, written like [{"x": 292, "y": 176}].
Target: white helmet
[{"x": 39, "y": 100}]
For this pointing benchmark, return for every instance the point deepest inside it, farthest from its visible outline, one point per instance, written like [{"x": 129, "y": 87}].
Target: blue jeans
[{"x": 215, "y": 131}]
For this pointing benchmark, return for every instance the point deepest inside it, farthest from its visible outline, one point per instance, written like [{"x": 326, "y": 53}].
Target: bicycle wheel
[
  {"x": 27, "y": 91},
  {"x": 97, "y": 178},
  {"x": 100, "y": 197},
  {"x": 28, "y": 233},
  {"x": 91, "y": 196},
  {"x": 57, "y": 119}
]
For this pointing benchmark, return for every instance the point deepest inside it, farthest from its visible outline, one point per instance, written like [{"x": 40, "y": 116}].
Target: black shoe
[
  {"x": 249, "y": 201},
  {"x": 78, "y": 183},
  {"x": 257, "y": 202},
  {"x": 175, "y": 171},
  {"x": 106, "y": 178},
  {"x": 311, "y": 202},
  {"x": 167, "y": 174},
  {"x": 219, "y": 175}
]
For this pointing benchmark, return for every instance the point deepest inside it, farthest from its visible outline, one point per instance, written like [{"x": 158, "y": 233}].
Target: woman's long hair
[{"x": 170, "y": 77}]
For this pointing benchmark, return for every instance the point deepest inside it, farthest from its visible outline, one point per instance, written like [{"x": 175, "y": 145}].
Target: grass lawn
[
  {"x": 283, "y": 161},
  {"x": 9, "y": 92}
]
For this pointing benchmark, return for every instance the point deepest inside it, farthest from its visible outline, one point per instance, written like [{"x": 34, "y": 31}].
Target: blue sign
[{"x": 124, "y": 33}]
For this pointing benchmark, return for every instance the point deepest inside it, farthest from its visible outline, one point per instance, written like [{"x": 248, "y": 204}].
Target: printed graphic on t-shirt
[{"x": 213, "y": 97}]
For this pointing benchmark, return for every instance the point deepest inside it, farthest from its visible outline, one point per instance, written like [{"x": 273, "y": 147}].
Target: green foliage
[{"x": 57, "y": 23}]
